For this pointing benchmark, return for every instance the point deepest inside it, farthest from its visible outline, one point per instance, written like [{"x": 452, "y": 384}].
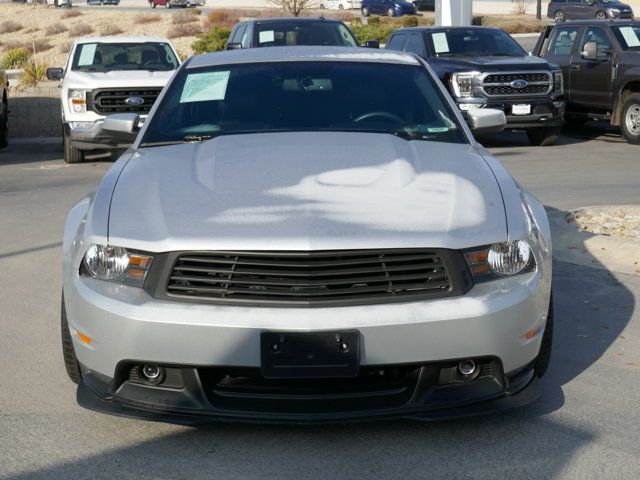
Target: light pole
[{"x": 539, "y": 9}]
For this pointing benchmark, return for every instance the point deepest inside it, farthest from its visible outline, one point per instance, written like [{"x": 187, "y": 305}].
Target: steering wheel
[{"x": 379, "y": 114}]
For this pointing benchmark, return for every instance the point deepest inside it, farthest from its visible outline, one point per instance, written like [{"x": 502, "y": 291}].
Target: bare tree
[
  {"x": 521, "y": 6},
  {"x": 293, "y": 7}
]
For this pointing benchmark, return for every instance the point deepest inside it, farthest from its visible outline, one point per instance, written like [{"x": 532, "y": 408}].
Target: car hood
[
  {"x": 622, "y": 6},
  {"x": 488, "y": 63},
  {"x": 306, "y": 191},
  {"x": 117, "y": 78}
]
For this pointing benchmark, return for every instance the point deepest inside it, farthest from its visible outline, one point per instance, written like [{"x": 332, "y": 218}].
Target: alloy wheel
[
  {"x": 632, "y": 119},
  {"x": 559, "y": 16},
  {"x": 601, "y": 16}
]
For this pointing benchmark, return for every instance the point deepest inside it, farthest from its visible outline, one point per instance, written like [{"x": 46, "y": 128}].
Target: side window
[
  {"x": 237, "y": 36},
  {"x": 598, "y": 35},
  {"x": 397, "y": 42},
  {"x": 415, "y": 44},
  {"x": 563, "y": 41},
  {"x": 246, "y": 38}
]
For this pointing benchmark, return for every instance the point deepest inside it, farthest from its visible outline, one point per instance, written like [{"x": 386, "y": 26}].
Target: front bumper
[
  {"x": 91, "y": 136},
  {"x": 544, "y": 112}
]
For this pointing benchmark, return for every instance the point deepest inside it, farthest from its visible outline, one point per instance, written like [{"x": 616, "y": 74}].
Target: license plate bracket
[
  {"x": 332, "y": 354},
  {"x": 521, "y": 109}
]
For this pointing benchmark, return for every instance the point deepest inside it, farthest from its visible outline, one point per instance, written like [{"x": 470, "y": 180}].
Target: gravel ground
[{"x": 622, "y": 221}]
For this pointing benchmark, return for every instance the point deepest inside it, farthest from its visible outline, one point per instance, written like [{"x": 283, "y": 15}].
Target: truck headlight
[
  {"x": 115, "y": 264},
  {"x": 558, "y": 83},
  {"x": 78, "y": 101},
  {"x": 462, "y": 83},
  {"x": 500, "y": 260}
]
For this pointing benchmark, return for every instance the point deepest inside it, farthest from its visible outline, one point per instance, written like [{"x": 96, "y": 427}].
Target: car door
[
  {"x": 561, "y": 48},
  {"x": 574, "y": 9},
  {"x": 591, "y": 79},
  {"x": 415, "y": 44},
  {"x": 397, "y": 41}
]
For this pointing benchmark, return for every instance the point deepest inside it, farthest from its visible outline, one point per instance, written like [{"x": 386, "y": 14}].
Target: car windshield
[
  {"x": 104, "y": 57},
  {"x": 290, "y": 34},
  {"x": 474, "y": 42},
  {"x": 303, "y": 96},
  {"x": 629, "y": 36}
]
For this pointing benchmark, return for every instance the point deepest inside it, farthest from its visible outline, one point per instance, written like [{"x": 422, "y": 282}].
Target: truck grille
[
  {"x": 507, "y": 84},
  {"x": 322, "y": 278},
  {"x": 105, "y": 102}
]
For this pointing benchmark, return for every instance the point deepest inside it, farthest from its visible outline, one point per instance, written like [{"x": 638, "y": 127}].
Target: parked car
[
  {"x": 170, "y": 3},
  {"x": 306, "y": 234},
  {"x": 484, "y": 67},
  {"x": 59, "y": 3},
  {"x": 600, "y": 62},
  {"x": 562, "y": 10},
  {"x": 106, "y": 75},
  {"x": 425, "y": 5},
  {"x": 103, "y": 2},
  {"x": 277, "y": 32},
  {"x": 4, "y": 109},
  {"x": 339, "y": 4},
  {"x": 391, "y": 8}
]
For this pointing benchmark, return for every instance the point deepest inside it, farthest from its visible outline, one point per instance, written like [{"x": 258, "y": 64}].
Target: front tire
[
  {"x": 4, "y": 124},
  {"x": 71, "y": 154},
  {"x": 543, "y": 136},
  {"x": 391, "y": 12},
  {"x": 68, "y": 352},
  {"x": 541, "y": 363},
  {"x": 630, "y": 124},
  {"x": 559, "y": 16}
]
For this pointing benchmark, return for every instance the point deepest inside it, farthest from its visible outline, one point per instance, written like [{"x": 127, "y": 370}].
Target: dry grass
[
  {"x": 9, "y": 26},
  {"x": 146, "y": 18},
  {"x": 37, "y": 45},
  {"x": 512, "y": 24},
  {"x": 110, "y": 29},
  {"x": 184, "y": 30},
  {"x": 65, "y": 46},
  {"x": 70, "y": 13},
  {"x": 80, "y": 29},
  {"x": 11, "y": 45},
  {"x": 55, "y": 29},
  {"x": 183, "y": 17}
]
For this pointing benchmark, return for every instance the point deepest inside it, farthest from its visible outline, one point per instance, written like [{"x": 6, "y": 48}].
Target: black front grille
[
  {"x": 510, "y": 77},
  {"x": 509, "y": 90},
  {"x": 336, "y": 277},
  {"x": 105, "y": 102}
]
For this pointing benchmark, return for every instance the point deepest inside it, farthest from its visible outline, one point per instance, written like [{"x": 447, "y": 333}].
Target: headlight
[
  {"x": 500, "y": 259},
  {"x": 558, "y": 83},
  {"x": 78, "y": 101},
  {"x": 115, "y": 264},
  {"x": 463, "y": 83},
  {"x": 614, "y": 12}
]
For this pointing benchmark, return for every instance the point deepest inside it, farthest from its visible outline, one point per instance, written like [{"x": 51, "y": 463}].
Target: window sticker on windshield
[
  {"x": 630, "y": 36},
  {"x": 266, "y": 36},
  {"x": 205, "y": 87},
  {"x": 440, "y": 43},
  {"x": 87, "y": 54}
]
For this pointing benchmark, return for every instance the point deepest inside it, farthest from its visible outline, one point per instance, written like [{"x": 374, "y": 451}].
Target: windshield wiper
[
  {"x": 197, "y": 138},
  {"x": 187, "y": 139},
  {"x": 407, "y": 134}
]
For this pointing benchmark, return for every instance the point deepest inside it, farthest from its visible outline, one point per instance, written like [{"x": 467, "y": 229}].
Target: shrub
[
  {"x": 65, "y": 47},
  {"x": 11, "y": 45},
  {"x": 410, "y": 21},
  {"x": 214, "y": 40},
  {"x": 70, "y": 13},
  {"x": 9, "y": 26},
  {"x": 144, "y": 18},
  {"x": 33, "y": 72},
  {"x": 372, "y": 32},
  {"x": 80, "y": 29},
  {"x": 183, "y": 17},
  {"x": 15, "y": 58},
  {"x": 55, "y": 29},
  {"x": 184, "y": 30},
  {"x": 373, "y": 21},
  {"x": 36, "y": 46},
  {"x": 110, "y": 29},
  {"x": 222, "y": 18}
]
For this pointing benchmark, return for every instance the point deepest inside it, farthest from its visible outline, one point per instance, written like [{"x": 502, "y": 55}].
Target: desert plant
[
  {"x": 80, "y": 29},
  {"x": 144, "y": 18},
  {"x": 9, "y": 26},
  {"x": 70, "y": 13},
  {"x": 410, "y": 21},
  {"x": 184, "y": 30},
  {"x": 11, "y": 45},
  {"x": 212, "y": 41},
  {"x": 39, "y": 45},
  {"x": 15, "y": 58},
  {"x": 65, "y": 47},
  {"x": 55, "y": 29},
  {"x": 222, "y": 18},
  {"x": 110, "y": 29},
  {"x": 293, "y": 7},
  {"x": 183, "y": 17},
  {"x": 33, "y": 72}
]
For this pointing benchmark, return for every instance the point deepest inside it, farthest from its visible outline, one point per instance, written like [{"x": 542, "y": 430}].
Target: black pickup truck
[
  {"x": 4, "y": 110},
  {"x": 483, "y": 67},
  {"x": 600, "y": 61}
]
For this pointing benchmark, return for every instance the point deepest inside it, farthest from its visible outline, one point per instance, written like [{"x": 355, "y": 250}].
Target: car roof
[
  {"x": 291, "y": 20},
  {"x": 434, "y": 28},
  {"x": 122, "y": 39},
  {"x": 302, "y": 54},
  {"x": 597, "y": 22}
]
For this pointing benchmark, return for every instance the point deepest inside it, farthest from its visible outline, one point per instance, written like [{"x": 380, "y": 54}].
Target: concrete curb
[
  {"x": 572, "y": 245},
  {"x": 525, "y": 35}
]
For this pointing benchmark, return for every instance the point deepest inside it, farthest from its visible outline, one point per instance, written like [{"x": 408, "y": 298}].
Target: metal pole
[{"x": 539, "y": 10}]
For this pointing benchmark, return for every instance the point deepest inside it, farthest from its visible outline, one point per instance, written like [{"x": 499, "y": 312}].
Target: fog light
[
  {"x": 152, "y": 374},
  {"x": 467, "y": 367}
]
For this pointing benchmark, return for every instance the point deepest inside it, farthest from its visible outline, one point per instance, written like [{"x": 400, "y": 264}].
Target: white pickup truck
[
  {"x": 4, "y": 110},
  {"x": 106, "y": 75}
]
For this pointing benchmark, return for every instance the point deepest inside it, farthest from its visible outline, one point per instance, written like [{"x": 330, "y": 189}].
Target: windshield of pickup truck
[
  {"x": 629, "y": 36},
  {"x": 105, "y": 57},
  {"x": 474, "y": 42},
  {"x": 322, "y": 96},
  {"x": 279, "y": 34}
]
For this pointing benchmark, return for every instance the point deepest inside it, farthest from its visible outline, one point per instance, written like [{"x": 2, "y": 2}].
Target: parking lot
[{"x": 583, "y": 427}]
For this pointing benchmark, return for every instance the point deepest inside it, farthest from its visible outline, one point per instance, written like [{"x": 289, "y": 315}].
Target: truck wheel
[
  {"x": 543, "y": 136},
  {"x": 4, "y": 124},
  {"x": 559, "y": 16},
  {"x": 631, "y": 119},
  {"x": 68, "y": 353},
  {"x": 541, "y": 362},
  {"x": 71, "y": 154}
]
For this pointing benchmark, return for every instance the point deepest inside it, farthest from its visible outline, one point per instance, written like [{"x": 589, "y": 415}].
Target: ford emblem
[
  {"x": 134, "y": 101},
  {"x": 520, "y": 83}
]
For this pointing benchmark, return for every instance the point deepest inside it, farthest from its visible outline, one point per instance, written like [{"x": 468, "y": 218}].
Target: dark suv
[
  {"x": 561, "y": 10},
  {"x": 483, "y": 67},
  {"x": 391, "y": 8}
]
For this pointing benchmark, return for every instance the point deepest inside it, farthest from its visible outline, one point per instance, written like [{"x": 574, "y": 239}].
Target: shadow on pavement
[{"x": 25, "y": 151}]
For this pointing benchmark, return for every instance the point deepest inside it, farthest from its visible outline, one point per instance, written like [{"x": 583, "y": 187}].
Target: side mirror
[
  {"x": 590, "y": 51},
  {"x": 372, "y": 44},
  {"x": 55, "y": 73},
  {"x": 486, "y": 120},
  {"x": 234, "y": 46},
  {"x": 124, "y": 123}
]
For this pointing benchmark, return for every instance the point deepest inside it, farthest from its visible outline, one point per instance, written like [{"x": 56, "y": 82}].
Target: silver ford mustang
[{"x": 306, "y": 234}]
